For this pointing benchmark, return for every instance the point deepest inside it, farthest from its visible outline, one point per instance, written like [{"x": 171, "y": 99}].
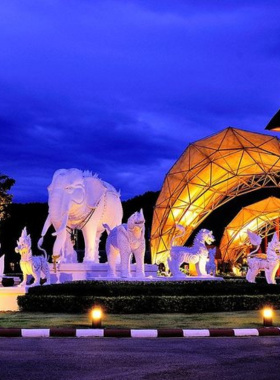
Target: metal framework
[
  {"x": 211, "y": 172},
  {"x": 261, "y": 217}
]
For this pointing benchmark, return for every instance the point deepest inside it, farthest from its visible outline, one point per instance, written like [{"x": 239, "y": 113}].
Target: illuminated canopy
[
  {"x": 211, "y": 172},
  {"x": 259, "y": 217}
]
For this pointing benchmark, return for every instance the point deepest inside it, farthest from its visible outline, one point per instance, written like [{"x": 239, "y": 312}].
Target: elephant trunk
[{"x": 59, "y": 204}]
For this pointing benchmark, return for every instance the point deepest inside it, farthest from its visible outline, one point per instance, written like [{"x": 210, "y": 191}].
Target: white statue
[
  {"x": 197, "y": 254},
  {"x": 125, "y": 240},
  {"x": 211, "y": 266},
  {"x": 2, "y": 263},
  {"x": 269, "y": 262},
  {"x": 80, "y": 200},
  {"x": 29, "y": 264}
]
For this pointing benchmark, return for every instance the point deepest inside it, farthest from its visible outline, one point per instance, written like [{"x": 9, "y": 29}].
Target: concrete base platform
[
  {"x": 8, "y": 297},
  {"x": 191, "y": 278},
  {"x": 87, "y": 271}
]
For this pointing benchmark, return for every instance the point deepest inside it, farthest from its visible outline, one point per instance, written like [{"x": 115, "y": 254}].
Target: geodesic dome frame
[
  {"x": 260, "y": 218},
  {"x": 209, "y": 173}
]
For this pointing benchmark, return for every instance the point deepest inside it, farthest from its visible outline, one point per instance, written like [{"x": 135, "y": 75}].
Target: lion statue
[
  {"x": 197, "y": 254},
  {"x": 125, "y": 240},
  {"x": 29, "y": 264},
  {"x": 269, "y": 262}
]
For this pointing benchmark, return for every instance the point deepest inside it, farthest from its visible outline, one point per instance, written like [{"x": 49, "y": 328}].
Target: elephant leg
[
  {"x": 89, "y": 238},
  {"x": 58, "y": 248},
  {"x": 69, "y": 252},
  {"x": 139, "y": 254},
  {"x": 97, "y": 242}
]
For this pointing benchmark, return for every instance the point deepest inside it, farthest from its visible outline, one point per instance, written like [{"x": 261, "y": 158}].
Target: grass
[{"x": 240, "y": 319}]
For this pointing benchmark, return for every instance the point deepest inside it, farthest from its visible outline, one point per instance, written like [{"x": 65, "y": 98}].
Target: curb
[{"x": 131, "y": 333}]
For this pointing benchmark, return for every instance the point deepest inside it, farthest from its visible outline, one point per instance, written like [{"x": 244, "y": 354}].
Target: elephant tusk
[{"x": 62, "y": 227}]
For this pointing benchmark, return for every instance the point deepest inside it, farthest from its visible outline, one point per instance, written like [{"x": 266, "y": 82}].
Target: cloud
[{"x": 121, "y": 88}]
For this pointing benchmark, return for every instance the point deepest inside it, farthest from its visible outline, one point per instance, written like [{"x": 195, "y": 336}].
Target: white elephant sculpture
[
  {"x": 80, "y": 200},
  {"x": 125, "y": 240}
]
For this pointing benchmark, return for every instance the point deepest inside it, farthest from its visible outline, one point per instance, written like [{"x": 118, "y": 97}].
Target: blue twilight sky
[{"x": 122, "y": 87}]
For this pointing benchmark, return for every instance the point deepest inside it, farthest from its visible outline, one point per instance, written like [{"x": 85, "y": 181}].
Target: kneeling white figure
[
  {"x": 29, "y": 264},
  {"x": 197, "y": 254},
  {"x": 123, "y": 241}
]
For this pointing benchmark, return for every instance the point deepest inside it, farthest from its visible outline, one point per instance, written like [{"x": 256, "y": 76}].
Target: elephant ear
[
  {"x": 94, "y": 189},
  {"x": 78, "y": 195}
]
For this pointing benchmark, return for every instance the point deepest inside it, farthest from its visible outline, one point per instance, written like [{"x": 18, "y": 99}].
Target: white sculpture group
[
  {"x": 80, "y": 200},
  {"x": 197, "y": 254},
  {"x": 258, "y": 262}
]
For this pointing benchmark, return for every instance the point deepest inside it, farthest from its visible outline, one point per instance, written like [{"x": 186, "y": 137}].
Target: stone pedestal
[
  {"x": 87, "y": 271},
  {"x": 8, "y": 297}
]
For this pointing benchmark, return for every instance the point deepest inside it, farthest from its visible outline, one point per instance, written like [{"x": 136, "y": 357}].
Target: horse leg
[
  {"x": 270, "y": 272},
  {"x": 251, "y": 274},
  {"x": 112, "y": 257}
]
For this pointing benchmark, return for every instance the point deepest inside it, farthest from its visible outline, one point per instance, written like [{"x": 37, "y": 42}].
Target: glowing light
[
  {"x": 96, "y": 315},
  {"x": 267, "y": 317}
]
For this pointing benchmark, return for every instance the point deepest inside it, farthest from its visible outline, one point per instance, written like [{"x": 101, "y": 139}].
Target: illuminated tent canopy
[
  {"x": 259, "y": 217},
  {"x": 211, "y": 172}
]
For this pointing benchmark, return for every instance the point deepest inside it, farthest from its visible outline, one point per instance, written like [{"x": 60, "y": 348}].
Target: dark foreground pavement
[{"x": 255, "y": 358}]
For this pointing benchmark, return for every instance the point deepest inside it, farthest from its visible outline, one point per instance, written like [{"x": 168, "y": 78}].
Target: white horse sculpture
[
  {"x": 125, "y": 240},
  {"x": 29, "y": 264},
  {"x": 197, "y": 254},
  {"x": 257, "y": 262}
]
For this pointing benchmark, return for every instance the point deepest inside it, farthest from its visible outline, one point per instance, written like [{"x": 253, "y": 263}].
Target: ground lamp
[
  {"x": 267, "y": 316},
  {"x": 96, "y": 317},
  {"x": 274, "y": 124}
]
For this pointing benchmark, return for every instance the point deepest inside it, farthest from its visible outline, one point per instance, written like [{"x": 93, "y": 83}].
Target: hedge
[
  {"x": 146, "y": 304},
  {"x": 160, "y": 288}
]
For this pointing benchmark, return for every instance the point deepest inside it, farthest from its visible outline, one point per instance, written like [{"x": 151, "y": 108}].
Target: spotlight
[
  {"x": 267, "y": 317},
  {"x": 96, "y": 317}
]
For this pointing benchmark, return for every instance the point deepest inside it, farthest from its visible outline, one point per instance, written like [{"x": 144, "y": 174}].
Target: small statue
[
  {"x": 211, "y": 266},
  {"x": 197, "y": 254},
  {"x": 29, "y": 264},
  {"x": 257, "y": 262},
  {"x": 125, "y": 240}
]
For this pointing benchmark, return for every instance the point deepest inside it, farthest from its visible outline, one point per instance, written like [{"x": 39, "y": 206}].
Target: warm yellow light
[
  {"x": 267, "y": 317},
  {"x": 267, "y": 313},
  {"x": 96, "y": 313}
]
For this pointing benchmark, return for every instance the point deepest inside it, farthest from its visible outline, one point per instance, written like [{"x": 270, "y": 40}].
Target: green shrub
[
  {"x": 146, "y": 304},
  {"x": 159, "y": 288}
]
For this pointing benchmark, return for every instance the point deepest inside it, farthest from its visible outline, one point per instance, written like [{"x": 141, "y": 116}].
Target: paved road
[{"x": 140, "y": 359}]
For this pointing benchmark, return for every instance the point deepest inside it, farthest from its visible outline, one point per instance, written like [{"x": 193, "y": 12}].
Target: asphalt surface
[{"x": 255, "y": 358}]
